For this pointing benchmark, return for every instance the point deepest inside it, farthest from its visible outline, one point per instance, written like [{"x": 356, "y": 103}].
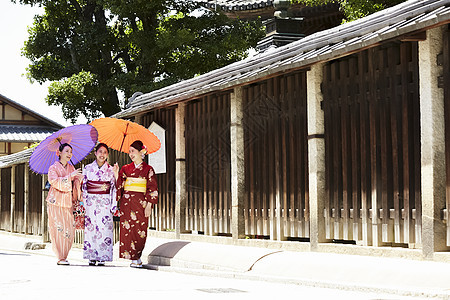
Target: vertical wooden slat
[
  {"x": 355, "y": 150},
  {"x": 196, "y": 174},
  {"x": 292, "y": 157},
  {"x": 375, "y": 155},
  {"x": 446, "y": 77},
  {"x": 396, "y": 95},
  {"x": 283, "y": 162},
  {"x": 246, "y": 105},
  {"x": 327, "y": 107},
  {"x": 383, "y": 181},
  {"x": 219, "y": 189},
  {"x": 345, "y": 130},
  {"x": 226, "y": 182},
  {"x": 190, "y": 165},
  {"x": 13, "y": 200},
  {"x": 406, "y": 113},
  {"x": 363, "y": 62},
  {"x": 337, "y": 154},
  {"x": 414, "y": 92},
  {"x": 304, "y": 169},
  {"x": 44, "y": 215},
  {"x": 259, "y": 97},
  {"x": 26, "y": 196},
  {"x": 251, "y": 171},
  {"x": 278, "y": 164}
]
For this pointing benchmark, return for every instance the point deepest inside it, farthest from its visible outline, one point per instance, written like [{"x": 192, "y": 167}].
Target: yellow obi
[{"x": 136, "y": 184}]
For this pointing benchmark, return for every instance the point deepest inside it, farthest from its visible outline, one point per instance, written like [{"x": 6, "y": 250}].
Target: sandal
[
  {"x": 92, "y": 262},
  {"x": 136, "y": 265},
  {"x": 63, "y": 262},
  {"x": 101, "y": 263}
]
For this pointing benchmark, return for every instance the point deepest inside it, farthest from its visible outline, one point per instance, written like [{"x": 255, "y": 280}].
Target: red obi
[{"x": 98, "y": 187}]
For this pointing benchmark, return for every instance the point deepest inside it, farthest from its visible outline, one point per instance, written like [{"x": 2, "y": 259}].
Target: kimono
[
  {"x": 63, "y": 192},
  {"x": 136, "y": 188},
  {"x": 99, "y": 196}
]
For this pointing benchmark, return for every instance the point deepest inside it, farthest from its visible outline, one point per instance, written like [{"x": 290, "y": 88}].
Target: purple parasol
[{"x": 81, "y": 137}]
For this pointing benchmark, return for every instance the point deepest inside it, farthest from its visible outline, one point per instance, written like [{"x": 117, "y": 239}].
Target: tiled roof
[
  {"x": 16, "y": 158},
  {"x": 405, "y": 18},
  {"x": 236, "y": 4},
  {"x": 24, "y": 133}
]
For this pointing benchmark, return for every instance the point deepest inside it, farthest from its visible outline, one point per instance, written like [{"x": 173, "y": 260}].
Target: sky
[{"x": 14, "y": 20}]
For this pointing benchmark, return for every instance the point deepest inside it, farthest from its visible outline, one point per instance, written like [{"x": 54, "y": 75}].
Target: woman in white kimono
[{"x": 99, "y": 196}]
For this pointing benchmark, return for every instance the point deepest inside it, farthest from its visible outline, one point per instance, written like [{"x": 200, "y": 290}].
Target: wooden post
[
  {"x": 316, "y": 155},
  {"x": 44, "y": 220},
  {"x": 432, "y": 133},
  {"x": 26, "y": 197},
  {"x": 180, "y": 171},
  {"x": 13, "y": 198},
  {"x": 237, "y": 165},
  {"x": 138, "y": 119}
]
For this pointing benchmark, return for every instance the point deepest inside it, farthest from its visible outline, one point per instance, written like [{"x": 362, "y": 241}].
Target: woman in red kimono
[{"x": 137, "y": 192}]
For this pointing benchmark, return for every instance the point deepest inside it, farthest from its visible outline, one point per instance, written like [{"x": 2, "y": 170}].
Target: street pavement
[{"x": 211, "y": 270}]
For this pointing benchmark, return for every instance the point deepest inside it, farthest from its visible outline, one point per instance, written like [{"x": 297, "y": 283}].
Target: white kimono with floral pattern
[{"x": 98, "y": 231}]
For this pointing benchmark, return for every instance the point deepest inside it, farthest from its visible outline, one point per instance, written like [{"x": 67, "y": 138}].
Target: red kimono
[{"x": 133, "y": 223}]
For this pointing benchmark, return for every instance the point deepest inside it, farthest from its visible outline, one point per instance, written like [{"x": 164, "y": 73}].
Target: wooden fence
[
  {"x": 163, "y": 216},
  {"x": 5, "y": 208},
  {"x": 208, "y": 165},
  {"x": 372, "y": 143},
  {"x": 276, "y": 158},
  {"x": 372, "y": 139}
]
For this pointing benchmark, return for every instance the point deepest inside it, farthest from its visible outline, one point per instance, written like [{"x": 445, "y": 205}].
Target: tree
[
  {"x": 94, "y": 50},
  {"x": 355, "y": 9}
]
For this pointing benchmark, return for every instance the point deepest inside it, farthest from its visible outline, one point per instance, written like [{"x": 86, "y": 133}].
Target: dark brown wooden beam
[{"x": 415, "y": 37}]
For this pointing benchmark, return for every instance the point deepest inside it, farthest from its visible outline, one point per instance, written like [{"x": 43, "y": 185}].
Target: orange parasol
[{"x": 120, "y": 134}]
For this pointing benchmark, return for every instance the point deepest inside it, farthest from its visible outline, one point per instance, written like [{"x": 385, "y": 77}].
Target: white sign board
[{"x": 158, "y": 159}]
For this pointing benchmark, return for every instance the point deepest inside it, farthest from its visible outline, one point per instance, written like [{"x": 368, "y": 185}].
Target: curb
[{"x": 207, "y": 271}]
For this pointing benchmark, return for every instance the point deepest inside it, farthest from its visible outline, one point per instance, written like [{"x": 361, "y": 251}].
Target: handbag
[
  {"x": 47, "y": 186},
  {"x": 79, "y": 212}
]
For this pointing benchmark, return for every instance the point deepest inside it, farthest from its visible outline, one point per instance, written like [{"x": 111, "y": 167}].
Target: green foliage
[
  {"x": 93, "y": 50},
  {"x": 34, "y": 145},
  {"x": 81, "y": 89},
  {"x": 355, "y": 9}
]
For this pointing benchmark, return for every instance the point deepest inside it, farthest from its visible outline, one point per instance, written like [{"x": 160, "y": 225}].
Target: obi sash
[
  {"x": 136, "y": 184},
  {"x": 98, "y": 187}
]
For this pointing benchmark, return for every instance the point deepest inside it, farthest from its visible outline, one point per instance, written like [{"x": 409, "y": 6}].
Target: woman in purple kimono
[{"x": 99, "y": 196}]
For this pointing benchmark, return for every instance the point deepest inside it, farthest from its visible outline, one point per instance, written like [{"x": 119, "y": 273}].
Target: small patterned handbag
[{"x": 78, "y": 213}]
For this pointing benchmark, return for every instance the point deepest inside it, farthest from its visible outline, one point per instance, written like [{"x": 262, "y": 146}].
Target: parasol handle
[{"x": 124, "y": 135}]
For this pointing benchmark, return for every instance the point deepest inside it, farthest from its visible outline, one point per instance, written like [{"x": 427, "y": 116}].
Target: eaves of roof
[
  {"x": 405, "y": 18},
  {"x": 24, "y": 133},
  {"x": 16, "y": 158}
]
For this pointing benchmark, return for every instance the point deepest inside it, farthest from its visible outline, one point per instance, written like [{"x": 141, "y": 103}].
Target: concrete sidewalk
[
  {"x": 342, "y": 271},
  {"x": 349, "y": 272}
]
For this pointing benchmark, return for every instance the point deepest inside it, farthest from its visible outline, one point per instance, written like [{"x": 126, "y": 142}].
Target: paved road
[{"x": 25, "y": 275}]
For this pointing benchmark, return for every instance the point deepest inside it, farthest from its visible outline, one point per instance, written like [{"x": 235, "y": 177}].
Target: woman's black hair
[
  {"x": 99, "y": 145},
  {"x": 62, "y": 146},
  {"x": 138, "y": 145}
]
